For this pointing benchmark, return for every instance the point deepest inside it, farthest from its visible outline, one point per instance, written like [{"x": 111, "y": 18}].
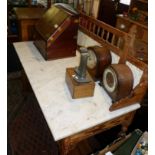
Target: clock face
[
  {"x": 92, "y": 59},
  {"x": 110, "y": 80}
]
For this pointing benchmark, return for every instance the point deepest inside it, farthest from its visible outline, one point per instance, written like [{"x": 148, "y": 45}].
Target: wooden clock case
[
  {"x": 103, "y": 60},
  {"x": 118, "y": 81}
]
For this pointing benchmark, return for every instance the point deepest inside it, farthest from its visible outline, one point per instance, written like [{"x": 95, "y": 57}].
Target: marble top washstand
[{"x": 65, "y": 116}]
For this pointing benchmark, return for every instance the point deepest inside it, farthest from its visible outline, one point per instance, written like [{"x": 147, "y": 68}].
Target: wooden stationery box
[{"x": 55, "y": 34}]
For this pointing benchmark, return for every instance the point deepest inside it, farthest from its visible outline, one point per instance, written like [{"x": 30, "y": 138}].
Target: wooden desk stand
[{"x": 79, "y": 90}]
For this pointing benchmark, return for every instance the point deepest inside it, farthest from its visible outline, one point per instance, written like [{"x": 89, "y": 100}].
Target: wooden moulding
[{"x": 79, "y": 90}]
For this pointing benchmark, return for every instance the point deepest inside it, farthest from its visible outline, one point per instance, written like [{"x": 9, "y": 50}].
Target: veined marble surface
[{"x": 65, "y": 116}]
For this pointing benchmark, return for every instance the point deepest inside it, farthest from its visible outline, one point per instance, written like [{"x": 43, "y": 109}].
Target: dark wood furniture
[
  {"x": 56, "y": 32},
  {"x": 96, "y": 30},
  {"x": 105, "y": 35},
  {"x": 138, "y": 11},
  {"x": 27, "y": 18},
  {"x": 69, "y": 143},
  {"x": 120, "y": 43},
  {"x": 139, "y": 32},
  {"x": 135, "y": 22},
  {"x": 106, "y": 12},
  {"x": 98, "y": 60}
]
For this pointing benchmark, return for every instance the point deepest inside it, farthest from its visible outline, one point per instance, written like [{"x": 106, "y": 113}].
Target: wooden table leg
[
  {"x": 126, "y": 123},
  {"x": 65, "y": 146},
  {"x": 69, "y": 143}
]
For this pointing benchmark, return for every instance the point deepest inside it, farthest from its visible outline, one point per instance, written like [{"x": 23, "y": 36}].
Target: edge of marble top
[{"x": 58, "y": 136}]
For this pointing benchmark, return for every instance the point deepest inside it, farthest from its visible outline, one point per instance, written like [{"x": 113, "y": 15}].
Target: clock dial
[
  {"x": 92, "y": 59},
  {"x": 110, "y": 80},
  {"x": 118, "y": 81},
  {"x": 99, "y": 58}
]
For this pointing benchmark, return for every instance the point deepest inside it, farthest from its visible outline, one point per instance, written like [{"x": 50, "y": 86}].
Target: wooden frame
[
  {"x": 69, "y": 143},
  {"x": 139, "y": 91},
  {"x": 139, "y": 34},
  {"x": 120, "y": 43},
  {"x": 116, "y": 40},
  {"x": 27, "y": 18}
]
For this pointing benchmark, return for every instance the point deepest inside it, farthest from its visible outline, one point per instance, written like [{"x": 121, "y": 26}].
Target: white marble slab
[{"x": 65, "y": 116}]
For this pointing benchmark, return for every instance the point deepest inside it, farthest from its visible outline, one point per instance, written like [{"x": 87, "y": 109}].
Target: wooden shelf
[
  {"x": 139, "y": 32},
  {"x": 141, "y": 15},
  {"x": 143, "y": 1},
  {"x": 127, "y": 19},
  {"x": 143, "y": 12}
]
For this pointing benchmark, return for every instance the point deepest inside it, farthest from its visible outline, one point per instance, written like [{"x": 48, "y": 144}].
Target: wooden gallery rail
[
  {"x": 120, "y": 43},
  {"x": 116, "y": 40}
]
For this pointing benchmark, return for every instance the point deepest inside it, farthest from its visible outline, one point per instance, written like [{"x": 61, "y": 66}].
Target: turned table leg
[
  {"x": 126, "y": 123},
  {"x": 69, "y": 143},
  {"x": 65, "y": 146}
]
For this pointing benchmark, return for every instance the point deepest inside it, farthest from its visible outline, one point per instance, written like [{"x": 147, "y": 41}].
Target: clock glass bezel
[
  {"x": 111, "y": 83},
  {"x": 92, "y": 59}
]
